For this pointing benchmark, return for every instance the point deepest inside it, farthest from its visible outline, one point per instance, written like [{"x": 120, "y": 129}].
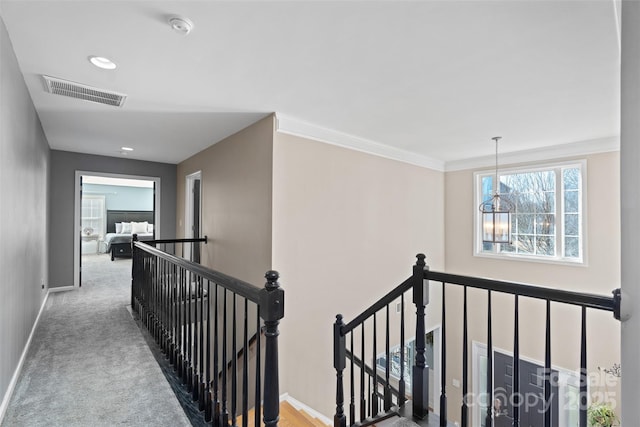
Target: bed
[{"x": 121, "y": 226}]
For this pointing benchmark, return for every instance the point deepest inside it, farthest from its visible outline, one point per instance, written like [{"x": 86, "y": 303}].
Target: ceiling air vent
[{"x": 80, "y": 91}]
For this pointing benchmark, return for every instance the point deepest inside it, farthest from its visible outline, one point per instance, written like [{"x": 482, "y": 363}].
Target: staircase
[
  {"x": 384, "y": 377},
  {"x": 289, "y": 417}
]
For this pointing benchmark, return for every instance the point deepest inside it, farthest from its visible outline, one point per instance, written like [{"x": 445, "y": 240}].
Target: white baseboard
[
  {"x": 62, "y": 289},
  {"x": 299, "y": 405},
  {"x": 14, "y": 380}
]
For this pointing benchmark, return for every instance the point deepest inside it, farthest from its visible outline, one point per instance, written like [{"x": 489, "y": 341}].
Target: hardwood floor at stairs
[{"x": 291, "y": 417}]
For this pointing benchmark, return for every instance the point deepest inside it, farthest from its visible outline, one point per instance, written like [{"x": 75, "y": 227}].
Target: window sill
[{"x": 523, "y": 258}]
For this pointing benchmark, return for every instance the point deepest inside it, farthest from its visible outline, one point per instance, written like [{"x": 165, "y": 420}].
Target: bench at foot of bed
[{"x": 120, "y": 250}]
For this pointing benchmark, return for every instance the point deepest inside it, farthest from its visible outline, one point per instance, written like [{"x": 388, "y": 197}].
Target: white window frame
[{"x": 559, "y": 212}]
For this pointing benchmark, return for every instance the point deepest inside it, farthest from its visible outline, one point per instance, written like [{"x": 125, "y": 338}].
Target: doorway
[
  {"x": 102, "y": 202},
  {"x": 193, "y": 215},
  {"x": 564, "y": 391}
]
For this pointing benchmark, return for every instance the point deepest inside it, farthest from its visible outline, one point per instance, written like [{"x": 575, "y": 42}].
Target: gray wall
[
  {"x": 24, "y": 169},
  {"x": 64, "y": 165}
]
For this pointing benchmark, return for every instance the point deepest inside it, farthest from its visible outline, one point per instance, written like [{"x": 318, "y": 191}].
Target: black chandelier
[{"x": 496, "y": 212}]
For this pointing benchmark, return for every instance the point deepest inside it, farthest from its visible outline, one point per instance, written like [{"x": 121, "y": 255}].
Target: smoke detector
[
  {"x": 58, "y": 86},
  {"x": 181, "y": 25}
]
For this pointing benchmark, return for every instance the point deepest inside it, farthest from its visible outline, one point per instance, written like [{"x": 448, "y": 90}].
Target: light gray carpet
[{"x": 88, "y": 364}]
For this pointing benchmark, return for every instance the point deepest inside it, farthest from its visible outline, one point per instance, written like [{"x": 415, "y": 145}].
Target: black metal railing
[
  {"x": 180, "y": 247},
  {"x": 202, "y": 320},
  {"x": 377, "y": 392}
]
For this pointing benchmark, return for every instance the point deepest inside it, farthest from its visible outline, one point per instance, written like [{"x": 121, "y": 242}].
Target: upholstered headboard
[{"x": 127, "y": 216}]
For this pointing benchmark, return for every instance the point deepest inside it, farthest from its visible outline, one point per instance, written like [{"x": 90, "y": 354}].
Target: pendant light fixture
[{"x": 496, "y": 212}]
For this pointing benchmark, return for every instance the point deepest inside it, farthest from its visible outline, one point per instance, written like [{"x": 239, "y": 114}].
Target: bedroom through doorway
[{"x": 110, "y": 208}]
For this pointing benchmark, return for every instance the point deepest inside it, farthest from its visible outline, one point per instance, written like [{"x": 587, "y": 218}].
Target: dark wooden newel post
[
  {"x": 271, "y": 311},
  {"x": 339, "y": 362},
  {"x": 420, "y": 380}
]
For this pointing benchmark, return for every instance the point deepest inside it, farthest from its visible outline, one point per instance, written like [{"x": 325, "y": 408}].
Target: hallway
[{"x": 88, "y": 364}]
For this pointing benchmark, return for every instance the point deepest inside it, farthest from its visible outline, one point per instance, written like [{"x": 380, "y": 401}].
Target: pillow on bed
[
  {"x": 118, "y": 228},
  {"x": 126, "y": 228},
  {"x": 149, "y": 228},
  {"x": 139, "y": 227}
]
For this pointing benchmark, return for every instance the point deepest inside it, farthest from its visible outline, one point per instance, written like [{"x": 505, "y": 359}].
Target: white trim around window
[{"x": 559, "y": 213}]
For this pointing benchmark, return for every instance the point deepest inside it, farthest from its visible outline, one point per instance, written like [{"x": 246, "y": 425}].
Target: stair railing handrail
[
  {"x": 204, "y": 240},
  {"x": 596, "y": 301},
  {"x": 270, "y": 306},
  {"x": 240, "y": 287}
]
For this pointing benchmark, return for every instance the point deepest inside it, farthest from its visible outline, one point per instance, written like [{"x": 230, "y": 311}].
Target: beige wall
[
  {"x": 601, "y": 275},
  {"x": 346, "y": 228},
  {"x": 236, "y": 201}
]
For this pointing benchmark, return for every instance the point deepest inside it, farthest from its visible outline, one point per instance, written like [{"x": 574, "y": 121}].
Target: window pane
[
  {"x": 505, "y": 247},
  {"x": 550, "y": 201},
  {"x": 526, "y": 244},
  {"x": 545, "y": 246},
  {"x": 571, "y": 225},
  {"x": 545, "y": 224},
  {"x": 487, "y": 187},
  {"x": 487, "y": 247},
  {"x": 571, "y": 178},
  {"x": 571, "y": 247},
  {"x": 571, "y": 201},
  {"x": 524, "y": 223}
]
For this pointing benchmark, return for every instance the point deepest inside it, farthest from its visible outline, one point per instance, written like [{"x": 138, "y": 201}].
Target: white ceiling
[{"x": 434, "y": 78}]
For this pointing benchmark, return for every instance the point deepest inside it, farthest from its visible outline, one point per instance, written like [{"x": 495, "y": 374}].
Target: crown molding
[
  {"x": 295, "y": 127},
  {"x": 553, "y": 152}
]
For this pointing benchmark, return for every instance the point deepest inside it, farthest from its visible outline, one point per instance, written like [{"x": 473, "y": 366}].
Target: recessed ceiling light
[
  {"x": 102, "y": 62},
  {"x": 126, "y": 148},
  {"x": 181, "y": 25}
]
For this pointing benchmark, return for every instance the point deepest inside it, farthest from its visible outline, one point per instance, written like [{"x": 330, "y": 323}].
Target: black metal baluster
[
  {"x": 464, "y": 421},
  {"x": 165, "y": 306},
  {"x": 363, "y": 400},
  {"x": 583, "y": 370},
  {"x": 216, "y": 369},
  {"x": 201, "y": 383},
  {"x": 197, "y": 340},
  {"x": 158, "y": 282},
  {"x": 374, "y": 394},
  {"x": 387, "y": 367},
  {"x": 420, "y": 377},
  {"x": 224, "y": 370},
  {"x": 183, "y": 327},
  {"x": 179, "y": 322},
  {"x": 352, "y": 402},
  {"x": 207, "y": 389},
  {"x": 489, "y": 419},
  {"x": 547, "y": 369},
  {"x": 189, "y": 335},
  {"x": 193, "y": 336},
  {"x": 245, "y": 367},
  {"x": 369, "y": 379},
  {"x": 443, "y": 373},
  {"x": 176, "y": 317},
  {"x": 258, "y": 399},
  {"x": 339, "y": 355},
  {"x": 515, "y": 399},
  {"x": 401, "y": 384},
  {"x": 172, "y": 307},
  {"x": 234, "y": 365},
  {"x": 165, "y": 309}
]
